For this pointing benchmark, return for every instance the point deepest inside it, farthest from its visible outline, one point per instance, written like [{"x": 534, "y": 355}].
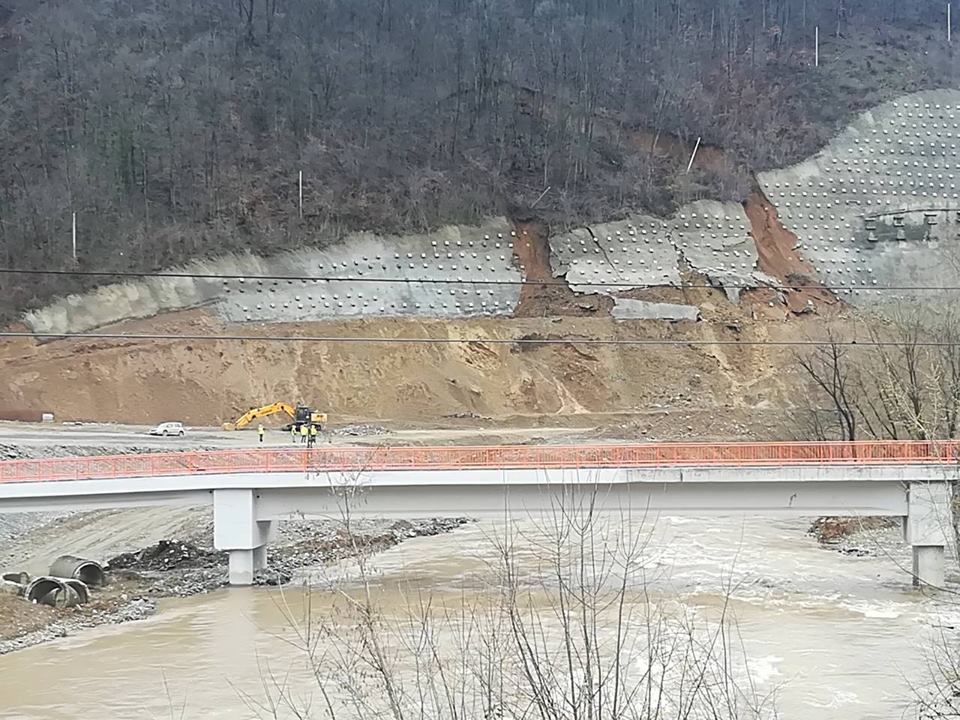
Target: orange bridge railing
[{"x": 354, "y": 459}]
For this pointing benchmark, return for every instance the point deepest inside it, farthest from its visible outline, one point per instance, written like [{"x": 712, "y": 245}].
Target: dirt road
[{"x": 23, "y": 440}]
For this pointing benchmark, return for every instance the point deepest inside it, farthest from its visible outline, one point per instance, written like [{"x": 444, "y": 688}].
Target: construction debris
[{"x": 168, "y": 555}]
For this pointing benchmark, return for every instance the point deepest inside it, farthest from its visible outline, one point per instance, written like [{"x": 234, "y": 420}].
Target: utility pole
[
  {"x": 816, "y": 46},
  {"x": 948, "y": 22},
  {"x": 300, "y": 187},
  {"x": 74, "y": 237}
]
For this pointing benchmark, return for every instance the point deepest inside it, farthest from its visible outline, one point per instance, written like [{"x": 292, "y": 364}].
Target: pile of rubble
[
  {"x": 168, "y": 555},
  {"x": 29, "y": 452}
]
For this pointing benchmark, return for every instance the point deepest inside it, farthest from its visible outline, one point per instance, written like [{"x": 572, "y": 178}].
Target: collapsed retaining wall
[
  {"x": 478, "y": 261},
  {"x": 876, "y": 207},
  {"x": 710, "y": 237}
]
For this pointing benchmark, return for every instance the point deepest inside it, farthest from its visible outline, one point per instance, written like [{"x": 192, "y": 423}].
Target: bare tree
[
  {"x": 179, "y": 137},
  {"x": 903, "y": 382},
  {"x": 575, "y": 635},
  {"x": 828, "y": 366}
]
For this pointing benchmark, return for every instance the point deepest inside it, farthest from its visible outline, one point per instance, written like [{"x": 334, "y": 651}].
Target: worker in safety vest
[
  {"x": 313, "y": 435},
  {"x": 293, "y": 434},
  {"x": 260, "y": 432},
  {"x": 304, "y": 434}
]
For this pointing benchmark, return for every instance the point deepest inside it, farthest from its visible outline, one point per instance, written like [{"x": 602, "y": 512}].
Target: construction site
[
  {"x": 638, "y": 329},
  {"x": 510, "y": 309}
]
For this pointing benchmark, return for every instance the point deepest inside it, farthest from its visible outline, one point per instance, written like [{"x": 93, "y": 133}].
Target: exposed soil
[
  {"x": 554, "y": 298},
  {"x": 20, "y": 619},
  {"x": 209, "y": 382},
  {"x": 708, "y": 157},
  {"x": 779, "y": 257},
  {"x": 183, "y": 567},
  {"x": 168, "y": 555}
]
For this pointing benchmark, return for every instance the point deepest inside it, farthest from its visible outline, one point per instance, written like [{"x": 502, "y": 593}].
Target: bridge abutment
[
  {"x": 926, "y": 529},
  {"x": 237, "y": 530}
]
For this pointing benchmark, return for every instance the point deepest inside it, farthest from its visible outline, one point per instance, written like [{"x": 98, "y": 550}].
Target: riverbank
[
  {"x": 811, "y": 622},
  {"x": 140, "y": 576},
  {"x": 163, "y": 553}
]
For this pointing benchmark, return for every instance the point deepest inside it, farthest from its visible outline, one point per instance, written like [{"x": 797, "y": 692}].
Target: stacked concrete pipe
[
  {"x": 68, "y": 583},
  {"x": 88, "y": 571},
  {"x": 57, "y": 592}
]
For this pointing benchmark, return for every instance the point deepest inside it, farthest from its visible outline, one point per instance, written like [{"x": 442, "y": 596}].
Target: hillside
[{"x": 177, "y": 130}]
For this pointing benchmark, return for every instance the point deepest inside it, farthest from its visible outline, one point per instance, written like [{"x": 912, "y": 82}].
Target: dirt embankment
[
  {"x": 484, "y": 374},
  {"x": 857, "y": 536},
  {"x": 488, "y": 372},
  {"x": 831, "y": 530},
  {"x": 544, "y": 295},
  {"x": 780, "y": 258}
]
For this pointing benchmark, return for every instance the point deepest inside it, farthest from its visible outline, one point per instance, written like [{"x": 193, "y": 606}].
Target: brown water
[{"x": 832, "y": 635}]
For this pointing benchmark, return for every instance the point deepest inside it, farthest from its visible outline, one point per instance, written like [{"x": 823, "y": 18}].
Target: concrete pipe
[
  {"x": 21, "y": 578},
  {"x": 80, "y": 588},
  {"x": 56, "y": 592},
  {"x": 68, "y": 566}
]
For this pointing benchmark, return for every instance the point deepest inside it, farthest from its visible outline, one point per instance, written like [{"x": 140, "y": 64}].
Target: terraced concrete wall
[
  {"x": 477, "y": 258},
  {"x": 878, "y": 205}
]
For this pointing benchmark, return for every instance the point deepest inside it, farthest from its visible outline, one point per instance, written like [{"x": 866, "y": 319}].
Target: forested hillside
[{"x": 177, "y": 128}]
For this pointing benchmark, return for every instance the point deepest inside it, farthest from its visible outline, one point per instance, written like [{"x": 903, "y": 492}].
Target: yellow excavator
[{"x": 299, "y": 415}]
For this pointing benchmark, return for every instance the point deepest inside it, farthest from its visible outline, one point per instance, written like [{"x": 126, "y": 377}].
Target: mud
[
  {"x": 830, "y": 530},
  {"x": 168, "y": 555}
]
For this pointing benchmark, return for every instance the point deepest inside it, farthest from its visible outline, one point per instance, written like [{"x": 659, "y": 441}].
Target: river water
[{"x": 830, "y": 635}]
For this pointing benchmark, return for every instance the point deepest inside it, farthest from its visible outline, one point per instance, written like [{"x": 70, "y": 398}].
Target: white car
[{"x": 168, "y": 428}]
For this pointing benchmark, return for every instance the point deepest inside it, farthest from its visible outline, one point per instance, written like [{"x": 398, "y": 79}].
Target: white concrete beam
[
  {"x": 237, "y": 530},
  {"x": 928, "y": 528},
  {"x": 190, "y": 488},
  {"x": 778, "y": 499},
  {"x": 242, "y": 566},
  {"x": 245, "y": 504},
  {"x": 929, "y": 566},
  {"x": 80, "y": 501}
]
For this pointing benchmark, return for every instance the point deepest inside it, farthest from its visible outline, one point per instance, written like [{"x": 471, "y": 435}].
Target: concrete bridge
[{"x": 250, "y": 490}]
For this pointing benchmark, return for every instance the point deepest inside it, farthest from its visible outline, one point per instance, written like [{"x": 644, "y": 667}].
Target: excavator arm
[{"x": 251, "y": 415}]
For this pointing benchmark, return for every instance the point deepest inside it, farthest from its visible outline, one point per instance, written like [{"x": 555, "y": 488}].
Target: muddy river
[{"x": 827, "y": 634}]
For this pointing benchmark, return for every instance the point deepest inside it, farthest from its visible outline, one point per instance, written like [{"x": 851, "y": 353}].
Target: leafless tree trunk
[
  {"x": 828, "y": 366},
  {"x": 575, "y": 637}
]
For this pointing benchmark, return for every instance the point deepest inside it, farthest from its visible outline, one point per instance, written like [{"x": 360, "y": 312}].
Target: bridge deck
[{"x": 353, "y": 459}]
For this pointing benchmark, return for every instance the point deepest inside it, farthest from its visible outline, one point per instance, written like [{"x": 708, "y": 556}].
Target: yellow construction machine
[{"x": 299, "y": 415}]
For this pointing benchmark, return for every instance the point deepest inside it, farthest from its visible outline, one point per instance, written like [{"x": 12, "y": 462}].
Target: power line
[
  {"x": 654, "y": 342},
  {"x": 461, "y": 281}
]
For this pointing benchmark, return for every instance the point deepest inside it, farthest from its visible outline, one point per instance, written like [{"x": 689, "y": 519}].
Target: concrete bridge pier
[
  {"x": 927, "y": 528},
  {"x": 236, "y": 530}
]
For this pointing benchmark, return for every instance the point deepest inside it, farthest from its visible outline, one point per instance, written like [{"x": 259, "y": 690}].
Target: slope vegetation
[{"x": 177, "y": 130}]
